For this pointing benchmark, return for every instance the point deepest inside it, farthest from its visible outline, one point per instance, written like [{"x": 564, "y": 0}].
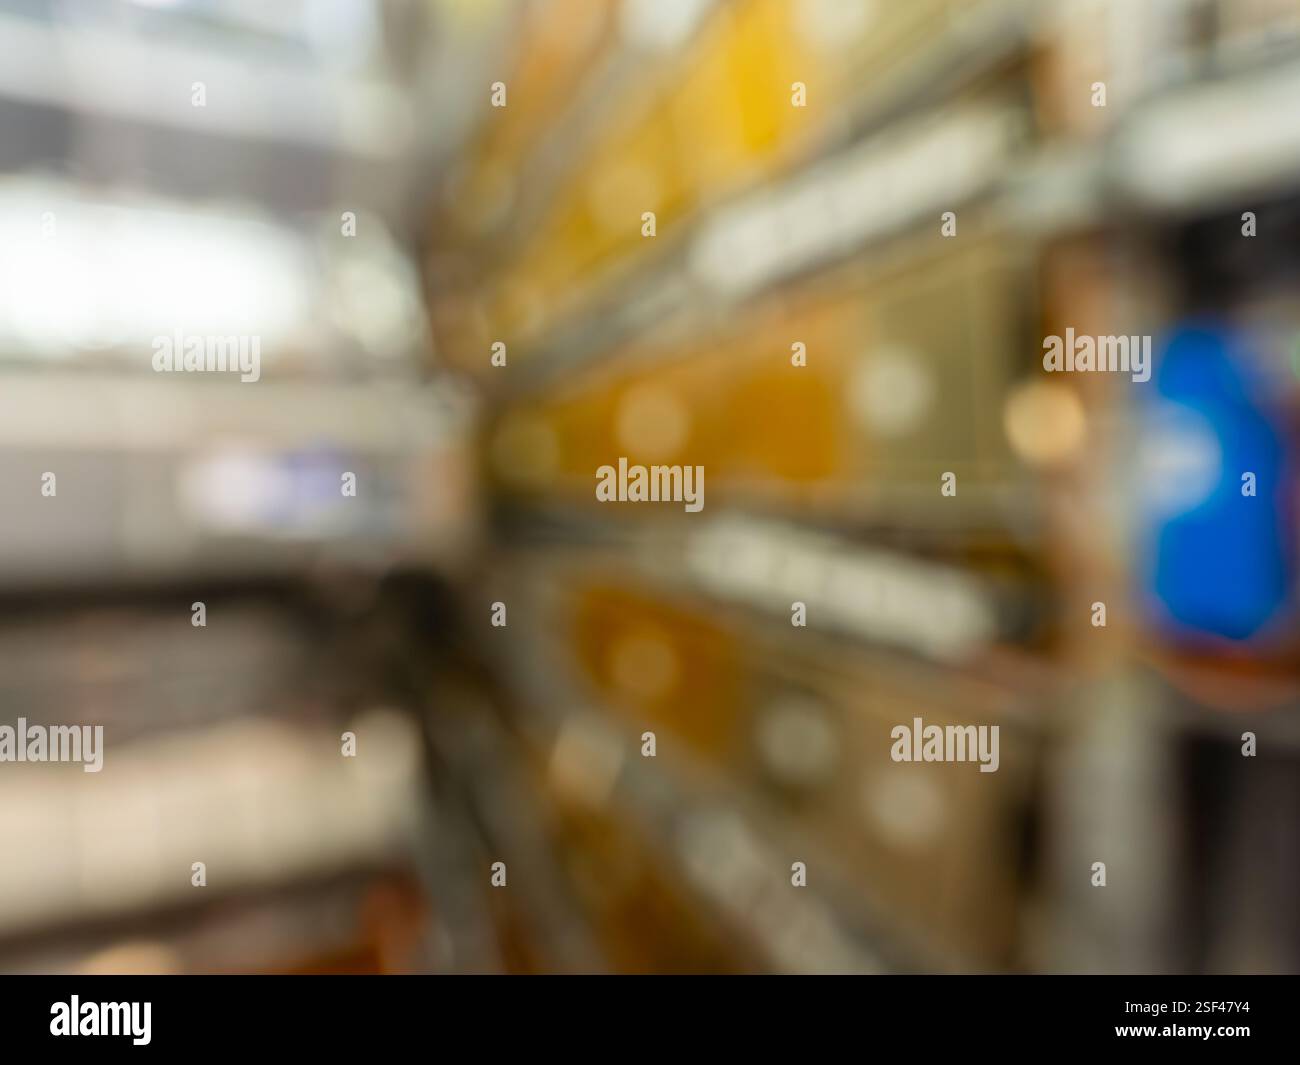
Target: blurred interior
[{"x": 458, "y": 304}]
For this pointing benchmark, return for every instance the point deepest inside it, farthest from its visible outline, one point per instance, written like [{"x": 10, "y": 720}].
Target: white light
[
  {"x": 662, "y": 24},
  {"x": 1180, "y": 461},
  {"x": 892, "y": 392},
  {"x": 874, "y": 187},
  {"x": 102, "y": 275},
  {"x": 833, "y": 24}
]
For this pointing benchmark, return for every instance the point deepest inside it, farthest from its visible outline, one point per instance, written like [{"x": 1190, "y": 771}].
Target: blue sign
[{"x": 1217, "y": 556}]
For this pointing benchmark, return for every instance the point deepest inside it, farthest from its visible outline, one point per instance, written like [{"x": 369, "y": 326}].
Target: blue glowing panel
[{"x": 1214, "y": 560}]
